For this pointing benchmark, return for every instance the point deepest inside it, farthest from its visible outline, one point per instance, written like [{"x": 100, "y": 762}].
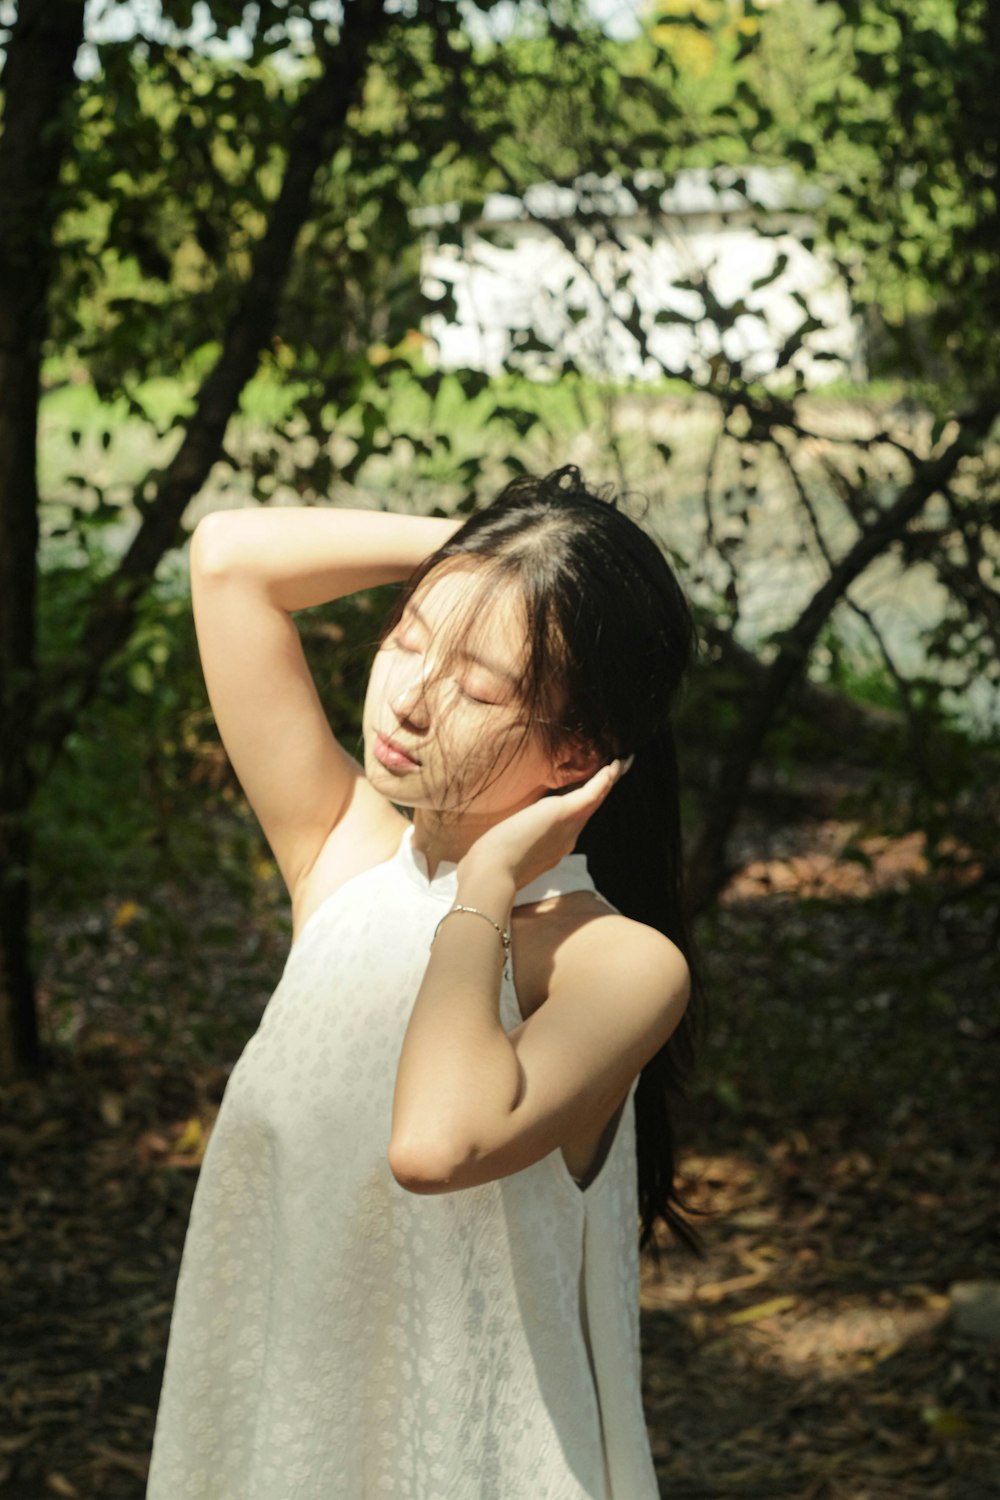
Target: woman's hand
[{"x": 537, "y": 837}]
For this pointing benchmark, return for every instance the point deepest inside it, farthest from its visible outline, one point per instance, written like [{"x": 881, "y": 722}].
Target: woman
[{"x": 411, "y": 1268}]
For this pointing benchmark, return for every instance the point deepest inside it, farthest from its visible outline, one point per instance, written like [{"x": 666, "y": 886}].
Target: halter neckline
[{"x": 570, "y": 874}]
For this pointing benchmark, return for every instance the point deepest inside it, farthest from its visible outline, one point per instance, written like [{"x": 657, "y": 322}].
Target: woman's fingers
[
  {"x": 617, "y": 768},
  {"x": 601, "y": 782}
]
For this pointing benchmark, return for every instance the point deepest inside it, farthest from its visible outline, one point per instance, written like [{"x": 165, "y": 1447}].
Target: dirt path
[{"x": 843, "y": 1134}]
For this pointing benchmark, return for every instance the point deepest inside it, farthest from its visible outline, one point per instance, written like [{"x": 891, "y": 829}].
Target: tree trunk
[
  {"x": 870, "y": 731},
  {"x": 38, "y": 84}
]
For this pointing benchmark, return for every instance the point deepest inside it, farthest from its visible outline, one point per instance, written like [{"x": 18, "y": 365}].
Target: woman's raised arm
[{"x": 250, "y": 569}]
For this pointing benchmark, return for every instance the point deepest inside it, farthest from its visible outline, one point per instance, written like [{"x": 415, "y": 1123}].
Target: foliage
[
  {"x": 166, "y": 199},
  {"x": 780, "y": 81},
  {"x": 143, "y": 792},
  {"x": 239, "y": 263},
  {"x": 903, "y": 132}
]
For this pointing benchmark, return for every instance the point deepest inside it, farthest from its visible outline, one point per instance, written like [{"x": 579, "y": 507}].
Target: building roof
[{"x": 690, "y": 192}]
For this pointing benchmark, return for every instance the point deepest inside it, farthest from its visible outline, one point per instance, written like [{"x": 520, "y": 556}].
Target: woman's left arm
[{"x": 473, "y": 1103}]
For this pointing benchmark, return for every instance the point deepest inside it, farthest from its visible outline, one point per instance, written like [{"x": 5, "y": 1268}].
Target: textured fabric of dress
[{"x": 335, "y": 1337}]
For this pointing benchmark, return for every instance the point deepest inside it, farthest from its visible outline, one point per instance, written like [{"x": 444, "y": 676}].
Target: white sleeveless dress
[{"x": 335, "y": 1337}]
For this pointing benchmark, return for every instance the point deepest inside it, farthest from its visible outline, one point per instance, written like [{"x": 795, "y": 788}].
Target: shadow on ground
[{"x": 841, "y": 1139}]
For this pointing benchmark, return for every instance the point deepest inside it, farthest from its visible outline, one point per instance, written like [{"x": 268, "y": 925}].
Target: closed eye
[
  {"x": 489, "y": 702},
  {"x": 399, "y": 644}
]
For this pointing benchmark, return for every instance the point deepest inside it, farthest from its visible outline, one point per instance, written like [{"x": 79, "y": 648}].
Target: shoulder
[
  {"x": 624, "y": 952},
  {"x": 582, "y": 945}
]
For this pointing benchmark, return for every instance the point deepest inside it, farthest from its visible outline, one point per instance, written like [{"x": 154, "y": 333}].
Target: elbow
[
  {"x": 211, "y": 546},
  {"x": 424, "y": 1167}
]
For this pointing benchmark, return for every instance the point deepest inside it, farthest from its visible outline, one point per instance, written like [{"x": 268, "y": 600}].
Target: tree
[
  {"x": 217, "y": 218},
  {"x": 903, "y": 133},
  {"x": 39, "y": 83},
  {"x": 42, "y": 47},
  {"x": 897, "y": 126},
  {"x": 179, "y": 194}
]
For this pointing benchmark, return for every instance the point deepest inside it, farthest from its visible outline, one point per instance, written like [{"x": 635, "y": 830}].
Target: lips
[{"x": 392, "y": 754}]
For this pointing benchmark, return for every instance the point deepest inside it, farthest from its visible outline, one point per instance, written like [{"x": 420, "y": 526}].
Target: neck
[{"x": 440, "y": 837}]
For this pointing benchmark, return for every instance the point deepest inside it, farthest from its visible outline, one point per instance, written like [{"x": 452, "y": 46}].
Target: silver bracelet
[{"x": 504, "y": 934}]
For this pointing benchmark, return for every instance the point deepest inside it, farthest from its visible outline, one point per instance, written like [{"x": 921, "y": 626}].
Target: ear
[{"x": 577, "y": 763}]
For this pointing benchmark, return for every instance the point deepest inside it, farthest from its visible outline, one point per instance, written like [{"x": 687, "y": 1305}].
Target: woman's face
[{"x": 445, "y": 691}]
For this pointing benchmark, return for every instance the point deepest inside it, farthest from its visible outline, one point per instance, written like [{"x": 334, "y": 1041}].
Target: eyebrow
[{"x": 489, "y": 666}]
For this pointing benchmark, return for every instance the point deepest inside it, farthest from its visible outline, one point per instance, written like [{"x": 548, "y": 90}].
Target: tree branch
[
  {"x": 323, "y": 117},
  {"x": 902, "y": 685},
  {"x": 708, "y": 862}
]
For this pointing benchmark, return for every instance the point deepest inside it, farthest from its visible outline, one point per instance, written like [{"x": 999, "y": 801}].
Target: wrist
[{"x": 488, "y": 887}]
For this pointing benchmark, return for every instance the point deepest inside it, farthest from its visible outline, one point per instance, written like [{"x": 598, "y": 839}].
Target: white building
[{"x": 544, "y": 267}]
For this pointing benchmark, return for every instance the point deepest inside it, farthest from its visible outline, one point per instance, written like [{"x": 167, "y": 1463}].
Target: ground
[{"x": 841, "y": 1134}]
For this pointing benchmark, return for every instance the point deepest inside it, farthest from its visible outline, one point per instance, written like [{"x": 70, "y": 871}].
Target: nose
[{"x": 409, "y": 700}]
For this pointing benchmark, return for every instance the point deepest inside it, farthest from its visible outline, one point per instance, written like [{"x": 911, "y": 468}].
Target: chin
[{"x": 382, "y": 779}]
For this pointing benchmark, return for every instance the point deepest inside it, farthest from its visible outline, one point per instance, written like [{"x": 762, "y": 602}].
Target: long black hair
[{"x": 610, "y": 638}]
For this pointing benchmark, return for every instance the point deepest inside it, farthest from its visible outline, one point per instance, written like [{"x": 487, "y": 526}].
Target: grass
[{"x": 443, "y": 442}]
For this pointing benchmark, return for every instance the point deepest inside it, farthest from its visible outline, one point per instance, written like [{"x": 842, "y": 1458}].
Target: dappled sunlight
[
  {"x": 771, "y": 1288},
  {"x": 833, "y": 860},
  {"x": 795, "y": 1360},
  {"x": 809, "y": 1355}
]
